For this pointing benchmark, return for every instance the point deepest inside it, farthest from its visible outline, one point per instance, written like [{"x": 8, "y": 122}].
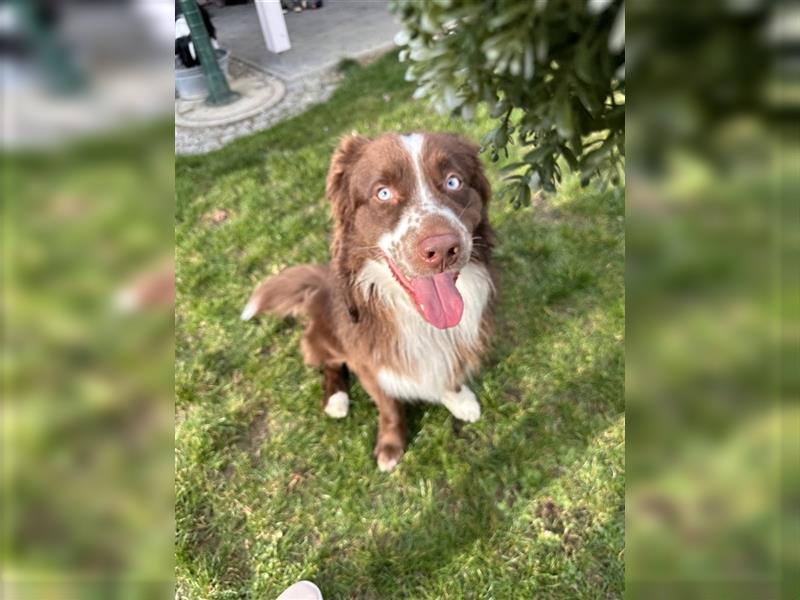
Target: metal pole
[{"x": 219, "y": 92}]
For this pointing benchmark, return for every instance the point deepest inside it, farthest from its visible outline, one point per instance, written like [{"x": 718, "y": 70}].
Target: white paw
[
  {"x": 386, "y": 464},
  {"x": 337, "y": 405},
  {"x": 463, "y": 404},
  {"x": 388, "y": 458}
]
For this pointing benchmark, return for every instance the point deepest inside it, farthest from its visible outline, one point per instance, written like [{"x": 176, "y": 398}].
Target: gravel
[{"x": 299, "y": 96}]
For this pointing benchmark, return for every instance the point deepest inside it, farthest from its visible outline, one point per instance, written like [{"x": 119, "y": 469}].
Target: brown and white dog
[{"x": 406, "y": 302}]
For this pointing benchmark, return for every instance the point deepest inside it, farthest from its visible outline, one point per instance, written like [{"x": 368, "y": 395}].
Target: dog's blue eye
[
  {"x": 384, "y": 194},
  {"x": 453, "y": 183}
]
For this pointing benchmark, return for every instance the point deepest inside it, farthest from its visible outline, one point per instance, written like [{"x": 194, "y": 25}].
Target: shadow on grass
[{"x": 470, "y": 508}]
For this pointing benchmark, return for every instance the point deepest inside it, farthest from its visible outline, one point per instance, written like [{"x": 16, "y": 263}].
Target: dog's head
[{"x": 417, "y": 202}]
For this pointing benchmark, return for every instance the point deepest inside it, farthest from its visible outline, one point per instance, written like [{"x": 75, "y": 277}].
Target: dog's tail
[{"x": 289, "y": 293}]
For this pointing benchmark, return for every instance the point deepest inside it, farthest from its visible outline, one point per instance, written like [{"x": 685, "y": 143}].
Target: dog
[
  {"x": 406, "y": 303},
  {"x": 184, "y": 46}
]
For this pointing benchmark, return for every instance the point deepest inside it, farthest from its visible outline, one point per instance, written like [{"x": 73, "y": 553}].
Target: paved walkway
[
  {"x": 299, "y": 95},
  {"x": 320, "y": 39}
]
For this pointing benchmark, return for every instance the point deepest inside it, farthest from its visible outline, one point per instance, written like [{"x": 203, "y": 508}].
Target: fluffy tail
[{"x": 289, "y": 293}]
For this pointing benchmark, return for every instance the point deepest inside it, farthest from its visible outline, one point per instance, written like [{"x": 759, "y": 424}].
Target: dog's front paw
[
  {"x": 388, "y": 456},
  {"x": 462, "y": 404},
  {"x": 337, "y": 405}
]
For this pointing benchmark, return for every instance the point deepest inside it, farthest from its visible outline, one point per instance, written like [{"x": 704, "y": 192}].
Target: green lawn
[{"x": 526, "y": 503}]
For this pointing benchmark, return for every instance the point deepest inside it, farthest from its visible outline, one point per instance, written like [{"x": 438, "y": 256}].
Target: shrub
[{"x": 551, "y": 73}]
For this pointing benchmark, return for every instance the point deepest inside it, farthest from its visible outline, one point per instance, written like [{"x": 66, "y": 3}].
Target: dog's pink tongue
[{"x": 438, "y": 299}]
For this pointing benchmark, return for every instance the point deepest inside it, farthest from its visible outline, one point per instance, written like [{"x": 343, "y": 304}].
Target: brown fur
[{"x": 347, "y": 330}]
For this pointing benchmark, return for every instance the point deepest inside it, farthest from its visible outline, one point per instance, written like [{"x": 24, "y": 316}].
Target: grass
[
  {"x": 86, "y": 418},
  {"x": 526, "y": 503}
]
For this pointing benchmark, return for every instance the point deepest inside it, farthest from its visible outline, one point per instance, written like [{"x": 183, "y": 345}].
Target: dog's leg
[
  {"x": 391, "y": 442},
  {"x": 335, "y": 401},
  {"x": 462, "y": 404}
]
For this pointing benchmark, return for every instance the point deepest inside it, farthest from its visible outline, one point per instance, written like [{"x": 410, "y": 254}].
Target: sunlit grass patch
[{"x": 526, "y": 503}]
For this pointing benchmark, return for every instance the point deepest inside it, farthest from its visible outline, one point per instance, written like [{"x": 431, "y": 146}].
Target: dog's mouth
[{"x": 436, "y": 297}]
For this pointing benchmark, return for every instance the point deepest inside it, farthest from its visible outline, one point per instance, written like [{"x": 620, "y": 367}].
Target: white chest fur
[{"x": 431, "y": 354}]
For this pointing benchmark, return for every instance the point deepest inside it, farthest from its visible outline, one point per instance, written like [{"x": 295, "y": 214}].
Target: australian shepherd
[{"x": 406, "y": 301}]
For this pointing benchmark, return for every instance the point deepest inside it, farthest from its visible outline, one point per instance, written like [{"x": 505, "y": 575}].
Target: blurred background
[
  {"x": 712, "y": 289},
  {"x": 88, "y": 194},
  {"x": 712, "y": 300}
]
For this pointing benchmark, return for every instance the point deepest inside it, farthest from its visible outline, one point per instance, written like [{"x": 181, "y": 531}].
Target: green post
[{"x": 219, "y": 92}]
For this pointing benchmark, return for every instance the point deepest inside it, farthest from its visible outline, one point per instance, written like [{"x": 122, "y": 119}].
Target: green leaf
[
  {"x": 563, "y": 118},
  {"x": 499, "y": 109},
  {"x": 523, "y": 196},
  {"x": 571, "y": 159},
  {"x": 584, "y": 67},
  {"x": 583, "y": 96},
  {"x": 513, "y": 167},
  {"x": 510, "y": 15},
  {"x": 500, "y": 137},
  {"x": 538, "y": 154}
]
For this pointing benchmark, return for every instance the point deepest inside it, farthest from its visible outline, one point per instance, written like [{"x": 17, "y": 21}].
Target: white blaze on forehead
[
  {"x": 413, "y": 144},
  {"x": 424, "y": 203}
]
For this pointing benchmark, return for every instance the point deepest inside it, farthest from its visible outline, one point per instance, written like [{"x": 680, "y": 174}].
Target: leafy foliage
[{"x": 551, "y": 74}]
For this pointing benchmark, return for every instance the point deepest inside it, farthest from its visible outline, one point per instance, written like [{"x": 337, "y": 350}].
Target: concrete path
[
  {"x": 320, "y": 38},
  {"x": 299, "y": 95},
  {"x": 306, "y": 74}
]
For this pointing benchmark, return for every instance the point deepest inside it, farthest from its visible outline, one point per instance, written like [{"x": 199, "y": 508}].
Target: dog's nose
[{"x": 440, "y": 249}]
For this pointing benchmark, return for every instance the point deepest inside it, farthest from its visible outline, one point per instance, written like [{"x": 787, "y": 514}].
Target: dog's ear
[{"x": 337, "y": 186}]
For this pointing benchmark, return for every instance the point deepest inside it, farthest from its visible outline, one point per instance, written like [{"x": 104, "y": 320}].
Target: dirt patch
[
  {"x": 514, "y": 394},
  {"x": 569, "y": 525},
  {"x": 257, "y": 433},
  {"x": 550, "y": 514}
]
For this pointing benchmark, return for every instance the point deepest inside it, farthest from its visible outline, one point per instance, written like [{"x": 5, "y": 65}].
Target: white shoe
[{"x": 302, "y": 590}]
